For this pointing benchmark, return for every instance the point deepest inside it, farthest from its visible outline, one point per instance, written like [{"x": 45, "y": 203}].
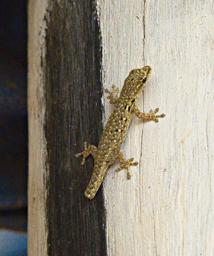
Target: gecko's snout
[
  {"x": 145, "y": 73},
  {"x": 147, "y": 70}
]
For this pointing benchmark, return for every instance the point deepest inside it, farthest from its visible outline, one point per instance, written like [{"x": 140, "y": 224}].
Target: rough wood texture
[
  {"x": 168, "y": 206},
  {"x": 37, "y": 231},
  {"x": 65, "y": 109}
]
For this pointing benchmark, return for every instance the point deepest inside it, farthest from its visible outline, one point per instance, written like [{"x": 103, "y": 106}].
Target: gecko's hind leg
[
  {"x": 113, "y": 94},
  {"x": 88, "y": 150},
  {"x": 125, "y": 164}
]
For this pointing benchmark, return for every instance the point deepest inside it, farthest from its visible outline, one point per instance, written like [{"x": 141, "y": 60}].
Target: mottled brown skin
[{"x": 114, "y": 133}]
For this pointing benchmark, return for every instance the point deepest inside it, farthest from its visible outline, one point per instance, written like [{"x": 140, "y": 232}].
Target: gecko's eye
[{"x": 144, "y": 79}]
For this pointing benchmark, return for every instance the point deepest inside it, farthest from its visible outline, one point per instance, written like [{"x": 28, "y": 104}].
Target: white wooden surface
[
  {"x": 167, "y": 208},
  {"x": 37, "y": 231}
]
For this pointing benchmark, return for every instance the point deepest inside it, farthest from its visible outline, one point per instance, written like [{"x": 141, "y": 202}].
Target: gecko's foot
[
  {"x": 112, "y": 94},
  {"x": 88, "y": 150},
  {"x": 125, "y": 164},
  {"x": 152, "y": 115}
]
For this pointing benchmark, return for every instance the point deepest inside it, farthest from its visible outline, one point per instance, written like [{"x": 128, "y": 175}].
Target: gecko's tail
[
  {"x": 94, "y": 184},
  {"x": 89, "y": 193}
]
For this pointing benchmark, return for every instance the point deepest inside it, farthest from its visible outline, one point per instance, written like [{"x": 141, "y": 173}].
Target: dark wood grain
[{"x": 76, "y": 226}]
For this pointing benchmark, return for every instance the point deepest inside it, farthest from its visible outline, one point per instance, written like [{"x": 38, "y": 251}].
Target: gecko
[{"x": 115, "y": 130}]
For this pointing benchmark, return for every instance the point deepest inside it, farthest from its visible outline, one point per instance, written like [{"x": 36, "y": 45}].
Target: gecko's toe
[{"x": 128, "y": 175}]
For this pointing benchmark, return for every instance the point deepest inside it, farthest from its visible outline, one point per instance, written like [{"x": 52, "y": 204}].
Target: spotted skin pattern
[{"x": 114, "y": 133}]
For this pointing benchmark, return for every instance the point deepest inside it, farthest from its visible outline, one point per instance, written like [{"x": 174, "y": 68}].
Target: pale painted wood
[
  {"x": 37, "y": 232},
  {"x": 168, "y": 206}
]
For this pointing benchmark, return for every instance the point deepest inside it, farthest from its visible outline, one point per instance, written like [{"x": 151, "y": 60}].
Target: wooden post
[
  {"x": 167, "y": 208},
  {"x": 65, "y": 110}
]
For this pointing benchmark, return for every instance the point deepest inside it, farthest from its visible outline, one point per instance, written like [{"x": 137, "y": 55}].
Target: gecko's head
[{"x": 135, "y": 81}]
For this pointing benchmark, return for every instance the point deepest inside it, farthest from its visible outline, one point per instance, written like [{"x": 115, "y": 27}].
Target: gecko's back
[{"x": 109, "y": 146}]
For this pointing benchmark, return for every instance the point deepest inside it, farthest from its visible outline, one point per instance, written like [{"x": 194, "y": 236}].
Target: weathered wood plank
[
  {"x": 65, "y": 102},
  {"x": 168, "y": 206},
  {"x": 37, "y": 224}
]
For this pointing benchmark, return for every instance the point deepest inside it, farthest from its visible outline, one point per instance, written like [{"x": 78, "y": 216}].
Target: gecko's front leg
[
  {"x": 125, "y": 164},
  {"x": 88, "y": 150},
  {"x": 113, "y": 94},
  {"x": 145, "y": 117}
]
